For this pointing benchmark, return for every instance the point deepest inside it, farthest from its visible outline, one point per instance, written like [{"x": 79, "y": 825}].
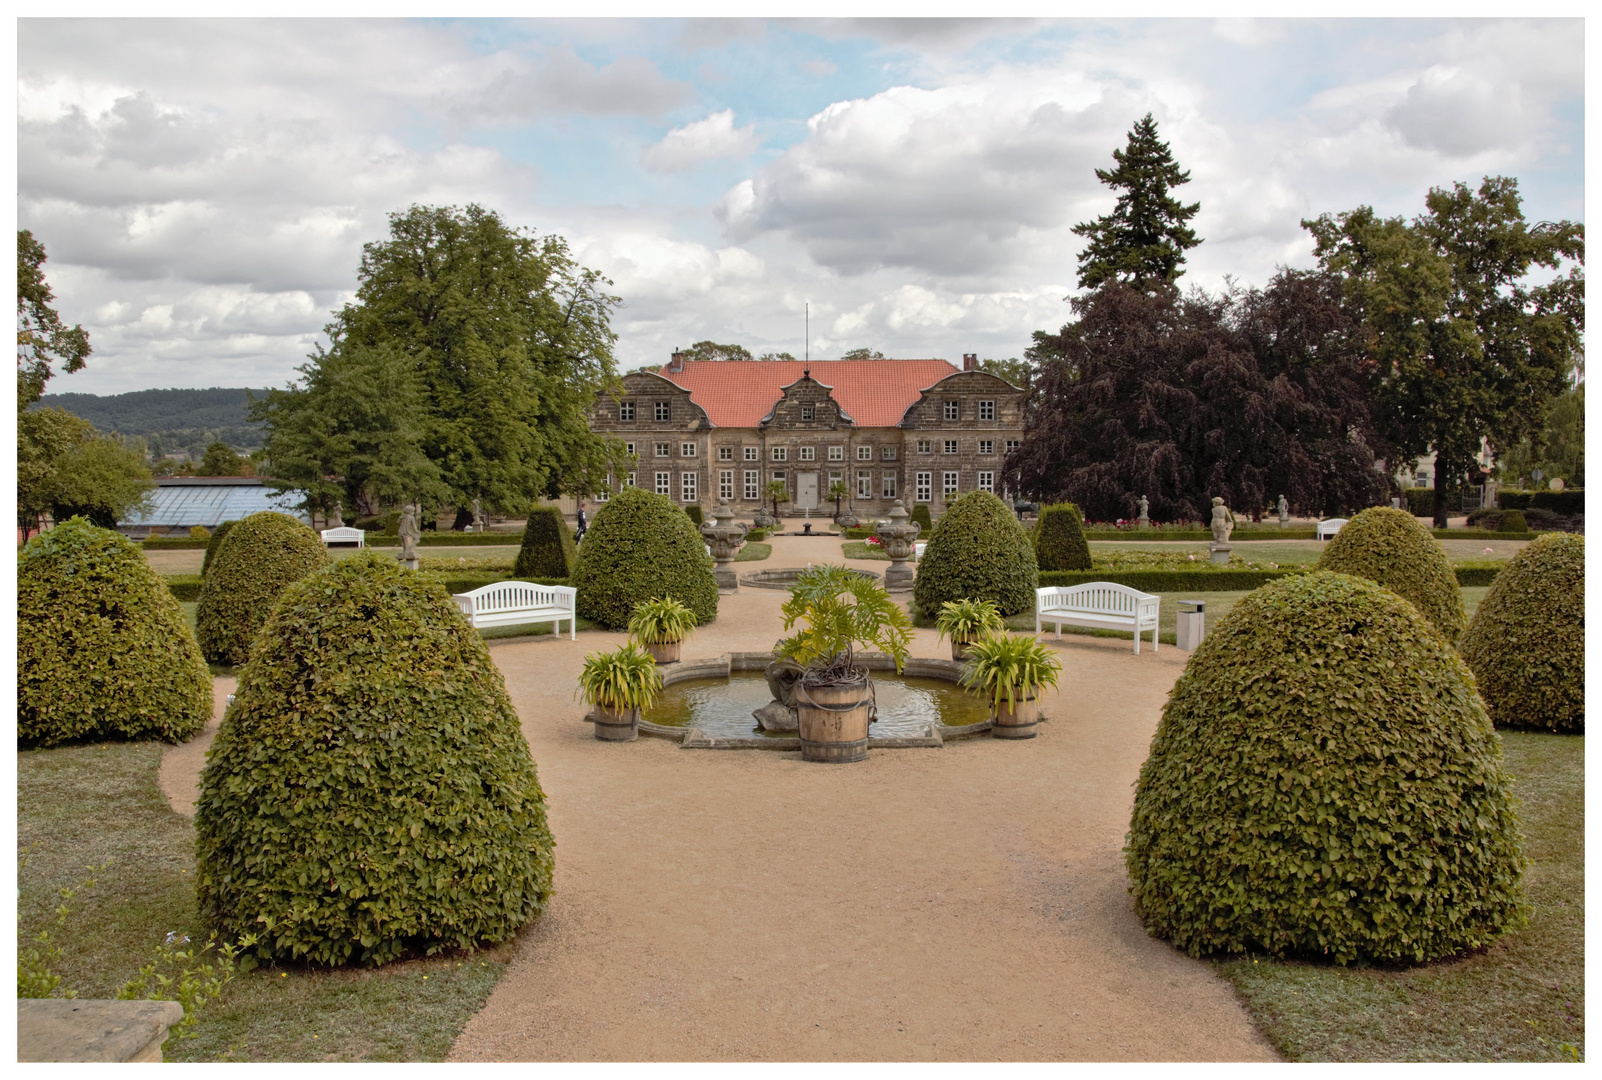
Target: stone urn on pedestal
[
  {"x": 896, "y": 537},
  {"x": 762, "y": 519},
  {"x": 724, "y": 536},
  {"x": 846, "y": 519}
]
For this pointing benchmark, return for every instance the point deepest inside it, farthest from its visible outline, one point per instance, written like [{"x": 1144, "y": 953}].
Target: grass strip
[
  {"x": 753, "y": 551},
  {"x": 1522, "y": 999},
  {"x": 86, "y": 806}
]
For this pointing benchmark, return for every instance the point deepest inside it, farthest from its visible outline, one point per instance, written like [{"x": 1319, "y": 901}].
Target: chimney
[
  {"x": 970, "y": 361},
  {"x": 677, "y": 363}
]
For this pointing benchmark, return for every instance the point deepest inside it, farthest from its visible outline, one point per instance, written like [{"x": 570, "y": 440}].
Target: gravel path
[{"x": 962, "y": 904}]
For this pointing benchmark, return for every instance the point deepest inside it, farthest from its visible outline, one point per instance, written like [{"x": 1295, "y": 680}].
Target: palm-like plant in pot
[
  {"x": 966, "y": 621},
  {"x": 619, "y": 684},
  {"x": 839, "y": 611},
  {"x": 1011, "y": 670},
  {"x": 661, "y": 625}
]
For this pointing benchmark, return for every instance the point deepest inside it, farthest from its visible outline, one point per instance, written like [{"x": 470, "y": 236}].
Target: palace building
[{"x": 916, "y": 430}]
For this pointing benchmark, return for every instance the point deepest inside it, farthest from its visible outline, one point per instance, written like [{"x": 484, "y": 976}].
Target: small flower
[{"x": 1488, "y": 551}]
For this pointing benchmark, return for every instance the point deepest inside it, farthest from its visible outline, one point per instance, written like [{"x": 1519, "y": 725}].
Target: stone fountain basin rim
[
  {"x": 769, "y": 579},
  {"x": 721, "y": 667}
]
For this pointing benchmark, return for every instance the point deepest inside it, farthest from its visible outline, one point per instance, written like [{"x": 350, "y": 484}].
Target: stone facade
[{"x": 954, "y": 437}]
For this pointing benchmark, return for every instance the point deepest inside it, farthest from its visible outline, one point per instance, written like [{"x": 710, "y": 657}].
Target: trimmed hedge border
[
  {"x": 186, "y": 587},
  {"x": 1161, "y": 581},
  {"x": 1132, "y": 536},
  {"x": 162, "y": 543}
]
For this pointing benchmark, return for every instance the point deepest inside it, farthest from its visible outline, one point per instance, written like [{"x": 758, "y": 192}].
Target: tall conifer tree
[{"x": 1143, "y": 241}]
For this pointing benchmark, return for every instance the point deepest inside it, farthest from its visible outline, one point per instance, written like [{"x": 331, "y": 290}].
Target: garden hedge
[
  {"x": 979, "y": 551},
  {"x": 1512, "y": 521},
  {"x": 261, "y": 555},
  {"x": 448, "y": 539},
  {"x": 920, "y": 514},
  {"x": 1391, "y": 547},
  {"x": 1526, "y": 644},
  {"x": 1060, "y": 538},
  {"x": 213, "y": 544},
  {"x": 642, "y": 546},
  {"x": 693, "y": 512},
  {"x": 174, "y": 543},
  {"x": 547, "y": 549},
  {"x": 1325, "y": 782},
  {"x": 103, "y": 649},
  {"x": 370, "y": 794},
  {"x": 1567, "y": 503}
]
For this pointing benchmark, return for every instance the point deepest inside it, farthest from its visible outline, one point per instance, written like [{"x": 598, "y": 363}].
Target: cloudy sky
[{"x": 204, "y": 188}]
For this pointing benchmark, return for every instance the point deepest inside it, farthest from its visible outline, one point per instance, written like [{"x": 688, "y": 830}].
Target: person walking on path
[{"x": 578, "y": 534}]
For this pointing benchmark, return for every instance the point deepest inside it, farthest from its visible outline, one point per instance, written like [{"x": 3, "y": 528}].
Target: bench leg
[
  {"x": 1154, "y": 642},
  {"x": 572, "y": 628},
  {"x": 1137, "y": 639}
]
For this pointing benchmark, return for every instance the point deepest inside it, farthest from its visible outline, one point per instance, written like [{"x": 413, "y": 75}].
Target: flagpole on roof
[{"x": 806, "y": 344}]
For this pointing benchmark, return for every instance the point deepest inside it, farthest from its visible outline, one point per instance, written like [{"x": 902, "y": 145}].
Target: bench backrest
[
  {"x": 1091, "y": 596},
  {"x": 519, "y": 596},
  {"x": 1330, "y": 527},
  {"x": 342, "y": 536}
]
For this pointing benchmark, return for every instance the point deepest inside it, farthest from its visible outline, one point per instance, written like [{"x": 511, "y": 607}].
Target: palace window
[
  {"x": 987, "y": 482},
  {"x": 661, "y": 449},
  {"x": 889, "y": 485},
  {"x": 807, "y": 453},
  {"x": 687, "y": 485},
  {"x": 780, "y": 453},
  {"x": 951, "y": 446},
  {"x": 987, "y": 446},
  {"x": 836, "y": 453},
  {"x": 630, "y": 480},
  {"x": 1012, "y": 444},
  {"x": 625, "y": 410},
  {"x": 864, "y": 485},
  {"x": 887, "y": 453},
  {"x": 686, "y": 449},
  {"x": 752, "y": 453},
  {"x": 987, "y": 410},
  {"x": 780, "y": 478},
  {"x": 924, "y": 446},
  {"x": 725, "y": 453},
  {"x": 664, "y": 483},
  {"x": 806, "y": 412},
  {"x": 924, "y": 487},
  {"x": 753, "y": 484},
  {"x": 725, "y": 484},
  {"x": 953, "y": 410},
  {"x": 948, "y": 484},
  {"x": 663, "y": 411},
  {"x": 629, "y": 447}
]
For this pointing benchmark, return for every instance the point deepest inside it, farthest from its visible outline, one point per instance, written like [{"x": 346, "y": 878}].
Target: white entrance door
[{"x": 806, "y": 491}]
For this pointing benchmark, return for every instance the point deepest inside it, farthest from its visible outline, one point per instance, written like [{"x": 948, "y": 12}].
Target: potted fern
[
  {"x": 619, "y": 684},
  {"x": 661, "y": 625},
  {"x": 966, "y": 621},
  {"x": 1010, "y": 670},
  {"x": 839, "y": 611}
]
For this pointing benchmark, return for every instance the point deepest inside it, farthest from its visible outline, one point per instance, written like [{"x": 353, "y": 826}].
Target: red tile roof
[{"x": 874, "y": 393}]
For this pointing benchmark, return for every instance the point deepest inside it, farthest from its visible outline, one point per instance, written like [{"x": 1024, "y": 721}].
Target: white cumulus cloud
[{"x": 688, "y": 146}]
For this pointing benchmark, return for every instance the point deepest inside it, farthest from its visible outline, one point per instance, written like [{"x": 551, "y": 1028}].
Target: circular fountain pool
[{"x": 721, "y": 708}]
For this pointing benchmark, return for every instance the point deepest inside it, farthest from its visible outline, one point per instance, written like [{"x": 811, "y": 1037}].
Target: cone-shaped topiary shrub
[
  {"x": 642, "y": 547},
  {"x": 260, "y": 557},
  {"x": 979, "y": 551},
  {"x": 920, "y": 514},
  {"x": 1060, "y": 539},
  {"x": 1512, "y": 521},
  {"x": 103, "y": 649},
  {"x": 1526, "y": 644},
  {"x": 1393, "y": 548},
  {"x": 214, "y": 543},
  {"x": 547, "y": 550},
  {"x": 370, "y": 793},
  {"x": 1325, "y": 782}
]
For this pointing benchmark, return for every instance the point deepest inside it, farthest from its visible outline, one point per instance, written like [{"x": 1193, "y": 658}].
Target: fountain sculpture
[
  {"x": 724, "y": 536},
  {"x": 896, "y": 536}
]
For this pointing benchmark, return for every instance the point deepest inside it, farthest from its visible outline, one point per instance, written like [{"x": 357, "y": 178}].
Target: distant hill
[{"x": 170, "y": 420}]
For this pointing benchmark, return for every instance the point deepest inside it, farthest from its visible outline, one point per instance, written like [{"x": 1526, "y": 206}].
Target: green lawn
[
  {"x": 1307, "y": 552},
  {"x": 861, "y": 549},
  {"x": 753, "y": 551},
  {"x": 87, "y": 806},
  {"x": 1523, "y": 999}
]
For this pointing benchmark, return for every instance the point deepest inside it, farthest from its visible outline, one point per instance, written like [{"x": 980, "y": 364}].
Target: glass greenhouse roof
[{"x": 210, "y": 501}]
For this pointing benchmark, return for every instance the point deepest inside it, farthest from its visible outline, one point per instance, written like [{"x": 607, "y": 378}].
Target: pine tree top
[{"x": 1144, "y": 240}]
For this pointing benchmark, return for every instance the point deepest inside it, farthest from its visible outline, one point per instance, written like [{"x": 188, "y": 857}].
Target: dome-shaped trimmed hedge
[
  {"x": 978, "y": 551},
  {"x": 641, "y": 547},
  {"x": 1325, "y": 782},
  {"x": 1060, "y": 542},
  {"x": 257, "y": 560},
  {"x": 1391, "y": 547},
  {"x": 920, "y": 514},
  {"x": 214, "y": 543},
  {"x": 1526, "y": 645},
  {"x": 370, "y": 792},
  {"x": 547, "y": 550},
  {"x": 103, "y": 649}
]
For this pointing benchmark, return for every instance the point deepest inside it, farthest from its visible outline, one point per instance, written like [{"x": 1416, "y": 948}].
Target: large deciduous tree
[
  {"x": 66, "y": 467},
  {"x": 1142, "y": 243},
  {"x": 1247, "y": 396},
  {"x": 43, "y": 340},
  {"x": 1466, "y": 346},
  {"x": 473, "y": 346}
]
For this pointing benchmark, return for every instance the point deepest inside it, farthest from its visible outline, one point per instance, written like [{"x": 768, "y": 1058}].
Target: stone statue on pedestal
[
  {"x": 336, "y": 520},
  {"x": 409, "y": 536},
  {"x": 1223, "y": 525},
  {"x": 478, "y": 516},
  {"x": 1145, "y": 512},
  {"x": 1284, "y": 512}
]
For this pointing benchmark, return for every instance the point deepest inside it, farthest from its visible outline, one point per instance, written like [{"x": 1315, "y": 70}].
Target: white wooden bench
[
  {"x": 346, "y": 535},
  {"x": 1327, "y": 529},
  {"x": 507, "y": 603},
  {"x": 1098, "y": 604}
]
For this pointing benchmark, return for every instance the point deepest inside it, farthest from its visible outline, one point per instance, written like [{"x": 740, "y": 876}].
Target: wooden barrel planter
[
  {"x": 1018, "y": 721},
  {"x": 959, "y": 649},
  {"x": 613, "y": 726},
  {"x": 834, "y": 721},
  {"x": 664, "y": 652}
]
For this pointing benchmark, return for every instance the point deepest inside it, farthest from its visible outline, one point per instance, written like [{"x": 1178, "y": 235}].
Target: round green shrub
[
  {"x": 1526, "y": 645},
  {"x": 979, "y": 551},
  {"x": 1325, "y": 782},
  {"x": 1512, "y": 521},
  {"x": 694, "y": 513},
  {"x": 920, "y": 514},
  {"x": 103, "y": 649},
  {"x": 214, "y": 543},
  {"x": 1060, "y": 539},
  {"x": 642, "y": 547},
  {"x": 370, "y": 793},
  {"x": 261, "y": 555},
  {"x": 547, "y": 550},
  {"x": 1393, "y": 548}
]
